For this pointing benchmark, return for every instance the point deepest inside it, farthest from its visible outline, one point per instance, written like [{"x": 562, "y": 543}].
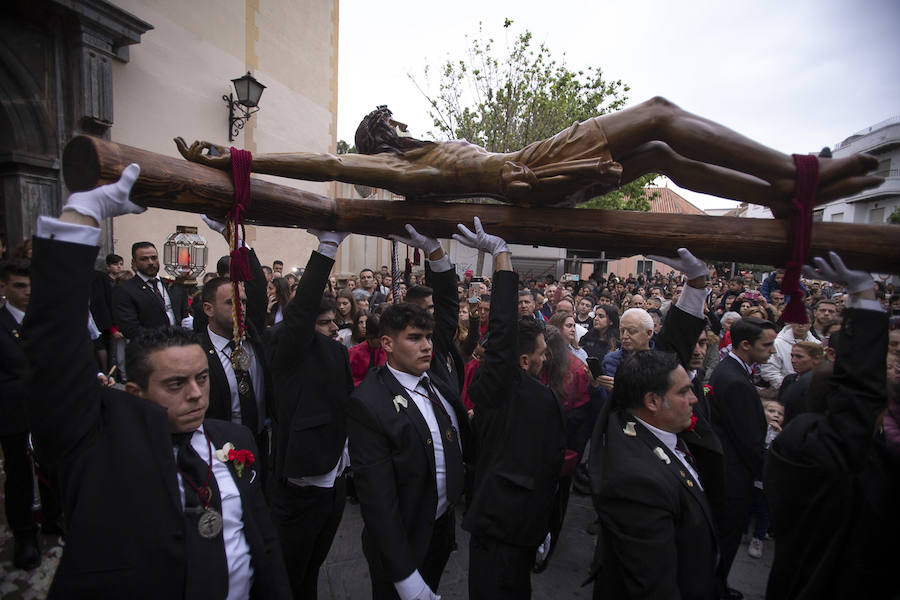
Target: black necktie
[
  {"x": 153, "y": 282},
  {"x": 206, "y": 575},
  {"x": 453, "y": 460},
  {"x": 246, "y": 396},
  {"x": 681, "y": 446}
]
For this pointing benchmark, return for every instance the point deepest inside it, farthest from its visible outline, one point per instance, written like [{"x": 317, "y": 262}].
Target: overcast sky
[{"x": 795, "y": 75}]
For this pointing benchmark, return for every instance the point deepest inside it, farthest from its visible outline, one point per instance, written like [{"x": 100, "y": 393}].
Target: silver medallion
[
  {"x": 244, "y": 387},
  {"x": 240, "y": 360},
  {"x": 210, "y": 523}
]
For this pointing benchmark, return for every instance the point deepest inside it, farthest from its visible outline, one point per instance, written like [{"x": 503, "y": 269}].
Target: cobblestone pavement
[{"x": 345, "y": 575}]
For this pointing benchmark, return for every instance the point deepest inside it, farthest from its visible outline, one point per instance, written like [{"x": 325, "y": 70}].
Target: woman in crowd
[
  {"x": 565, "y": 323},
  {"x": 345, "y": 316},
  {"x": 603, "y": 336},
  {"x": 279, "y": 290}
]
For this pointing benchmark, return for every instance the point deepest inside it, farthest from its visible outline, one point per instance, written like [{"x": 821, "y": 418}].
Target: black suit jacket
[
  {"x": 394, "y": 472},
  {"x": 740, "y": 422},
  {"x": 114, "y": 458},
  {"x": 521, "y": 434},
  {"x": 13, "y": 365},
  {"x": 679, "y": 334},
  {"x": 447, "y": 362},
  {"x": 136, "y": 306},
  {"x": 312, "y": 383},
  {"x": 101, "y": 301},
  {"x": 657, "y": 537},
  {"x": 219, "y": 392},
  {"x": 833, "y": 487}
]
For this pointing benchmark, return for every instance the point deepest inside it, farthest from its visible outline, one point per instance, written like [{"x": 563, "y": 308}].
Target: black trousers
[
  {"x": 443, "y": 535},
  {"x": 498, "y": 570},
  {"x": 733, "y": 527},
  {"x": 19, "y": 488},
  {"x": 307, "y": 519}
]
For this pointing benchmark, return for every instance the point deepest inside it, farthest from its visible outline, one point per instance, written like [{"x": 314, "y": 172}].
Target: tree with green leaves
[{"x": 505, "y": 101}]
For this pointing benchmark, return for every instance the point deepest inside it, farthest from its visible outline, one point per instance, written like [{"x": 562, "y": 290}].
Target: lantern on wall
[{"x": 184, "y": 254}]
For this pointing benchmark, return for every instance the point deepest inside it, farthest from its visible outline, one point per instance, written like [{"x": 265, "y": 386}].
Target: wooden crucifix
[{"x": 172, "y": 183}]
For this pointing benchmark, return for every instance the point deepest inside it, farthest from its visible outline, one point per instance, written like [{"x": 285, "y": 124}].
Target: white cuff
[
  {"x": 411, "y": 587},
  {"x": 53, "y": 229},
  {"x": 329, "y": 250},
  {"x": 691, "y": 301},
  {"x": 441, "y": 265},
  {"x": 864, "y": 304}
]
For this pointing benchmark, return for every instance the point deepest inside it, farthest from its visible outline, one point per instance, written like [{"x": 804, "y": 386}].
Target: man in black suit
[
  {"x": 144, "y": 301},
  {"x": 15, "y": 284},
  {"x": 832, "y": 474},
  {"x": 740, "y": 423},
  {"x": 312, "y": 384},
  {"x": 152, "y": 511},
  {"x": 521, "y": 439},
  {"x": 408, "y": 431},
  {"x": 657, "y": 536}
]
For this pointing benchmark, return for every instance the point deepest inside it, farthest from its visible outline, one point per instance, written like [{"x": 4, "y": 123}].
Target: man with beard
[{"x": 144, "y": 301}]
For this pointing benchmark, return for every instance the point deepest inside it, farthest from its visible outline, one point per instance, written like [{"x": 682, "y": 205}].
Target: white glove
[
  {"x": 109, "y": 200},
  {"x": 328, "y": 241},
  {"x": 480, "y": 240},
  {"x": 687, "y": 263},
  {"x": 216, "y": 226},
  {"x": 837, "y": 272},
  {"x": 417, "y": 240}
]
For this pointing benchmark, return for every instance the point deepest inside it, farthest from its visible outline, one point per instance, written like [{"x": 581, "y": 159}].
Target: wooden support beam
[{"x": 176, "y": 184}]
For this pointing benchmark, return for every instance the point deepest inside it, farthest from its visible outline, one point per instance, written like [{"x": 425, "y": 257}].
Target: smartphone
[
  {"x": 477, "y": 280},
  {"x": 595, "y": 366},
  {"x": 752, "y": 294}
]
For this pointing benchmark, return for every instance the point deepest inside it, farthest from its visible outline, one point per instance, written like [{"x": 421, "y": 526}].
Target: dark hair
[
  {"x": 369, "y": 270},
  {"x": 223, "y": 266},
  {"x": 375, "y": 135},
  {"x": 211, "y": 287},
  {"x": 418, "y": 292},
  {"x": 526, "y": 292},
  {"x": 398, "y": 317},
  {"x": 282, "y": 291},
  {"x": 325, "y": 304},
  {"x": 277, "y": 262},
  {"x": 355, "y": 334},
  {"x": 112, "y": 259},
  {"x": 556, "y": 366},
  {"x": 20, "y": 267},
  {"x": 373, "y": 327},
  {"x": 529, "y": 330},
  {"x": 140, "y": 246},
  {"x": 642, "y": 372},
  {"x": 140, "y": 347},
  {"x": 267, "y": 269},
  {"x": 749, "y": 329},
  {"x": 346, "y": 295},
  {"x": 825, "y": 301}
]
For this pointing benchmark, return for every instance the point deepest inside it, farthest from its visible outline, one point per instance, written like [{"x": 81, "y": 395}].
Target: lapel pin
[
  {"x": 629, "y": 429},
  {"x": 661, "y": 455},
  {"x": 400, "y": 401}
]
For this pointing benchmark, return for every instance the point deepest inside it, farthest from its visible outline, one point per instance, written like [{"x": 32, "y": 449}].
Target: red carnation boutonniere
[
  {"x": 240, "y": 458},
  {"x": 707, "y": 389},
  {"x": 693, "y": 423}
]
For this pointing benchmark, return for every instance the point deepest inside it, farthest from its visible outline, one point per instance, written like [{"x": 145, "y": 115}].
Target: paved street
[{"x": 346, "y": 577}]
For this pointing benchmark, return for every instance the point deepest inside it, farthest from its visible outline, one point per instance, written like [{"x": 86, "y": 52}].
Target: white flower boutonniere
[
  {"x": 629, "y": 429},
  {"x": 400, "y": 401},
  {"x": 661, "y": 455},
  {"x": 222, "y": 453}
]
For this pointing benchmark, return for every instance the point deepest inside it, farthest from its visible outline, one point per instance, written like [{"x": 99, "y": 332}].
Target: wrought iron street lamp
[{"x": 248, "y": 92}]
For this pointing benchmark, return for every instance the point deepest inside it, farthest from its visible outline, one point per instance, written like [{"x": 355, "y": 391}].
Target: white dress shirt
[
  {"x": 670, "y": 439},
  {"x": 412, "y": 586},
  {"x": 17, "y": 314},
  {"x": 165, "y": 294},
  {"x": 237, "y": 550},
  {"x": 256, "y": 375}
]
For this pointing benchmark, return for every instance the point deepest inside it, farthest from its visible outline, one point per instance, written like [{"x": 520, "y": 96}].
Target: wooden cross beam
[{"x": 176, "y": 184}]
